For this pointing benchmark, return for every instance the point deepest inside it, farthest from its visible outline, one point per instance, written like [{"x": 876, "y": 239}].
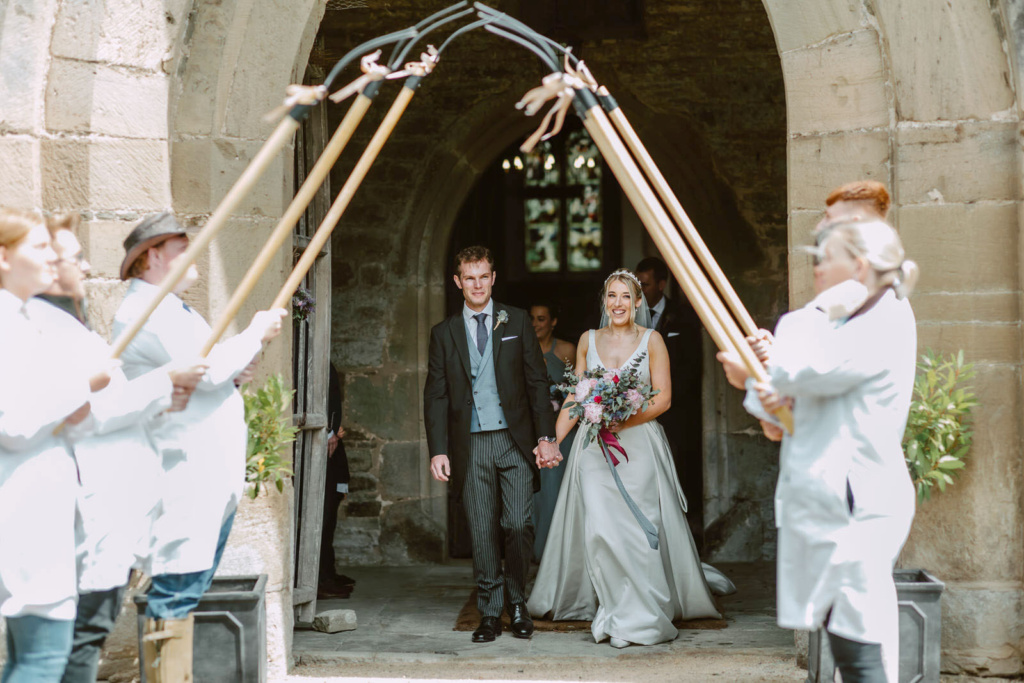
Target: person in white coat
[
  {"x": 117, "y": 464},
  {"x": 42, "y": 387},
  {"x": 202, "y": 448},
  {"x": 844, "y": 500}
]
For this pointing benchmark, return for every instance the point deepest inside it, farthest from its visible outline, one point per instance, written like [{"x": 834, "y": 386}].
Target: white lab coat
[
  {"x": 202, "y": 448},
  {"x": 41, "y": 385},
  {"x": 853, "y": 383},
  {"x": 118, "y": 466}
]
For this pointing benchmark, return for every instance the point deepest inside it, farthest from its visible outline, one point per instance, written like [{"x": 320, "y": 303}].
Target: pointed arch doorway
[{"x": 558, "y": 223}]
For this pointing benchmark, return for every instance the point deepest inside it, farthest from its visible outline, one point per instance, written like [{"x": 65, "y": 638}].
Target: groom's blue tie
[{"x": 481, "y": 332}]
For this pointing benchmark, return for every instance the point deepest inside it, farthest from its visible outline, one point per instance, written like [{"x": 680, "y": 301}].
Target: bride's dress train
[{"x": 598, "y": 566}]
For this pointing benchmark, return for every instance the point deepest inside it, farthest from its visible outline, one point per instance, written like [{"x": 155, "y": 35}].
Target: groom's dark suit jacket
[{"x": 522, "y": 380}]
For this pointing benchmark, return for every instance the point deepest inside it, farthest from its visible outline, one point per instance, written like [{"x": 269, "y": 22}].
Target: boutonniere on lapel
[{"x": 502, "y": 318}]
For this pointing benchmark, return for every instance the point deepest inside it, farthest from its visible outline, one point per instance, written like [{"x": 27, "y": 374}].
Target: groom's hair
[
  {"x": 655, "y": 265},
  {"x": 472, "y": 255}
]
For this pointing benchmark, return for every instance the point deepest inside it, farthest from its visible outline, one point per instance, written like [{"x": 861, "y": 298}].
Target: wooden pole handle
[
  {"x": 291, "y": 216},
  {"x": 348, "y": 190},
  {"x": 719, "y": 323},
  {"x": 676, "y": 211},
  {"x": 277, "y": 140}
]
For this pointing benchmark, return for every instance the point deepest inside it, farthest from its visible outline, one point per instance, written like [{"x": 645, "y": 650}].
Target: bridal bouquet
[{"x": 605, "y": 398}]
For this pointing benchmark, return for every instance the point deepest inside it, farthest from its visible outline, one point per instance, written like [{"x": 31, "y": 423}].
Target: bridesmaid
[{"x": 557, "y": 354}]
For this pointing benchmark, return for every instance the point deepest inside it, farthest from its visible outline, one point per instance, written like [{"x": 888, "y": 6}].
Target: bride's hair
[{"x": 635, "y": 292}]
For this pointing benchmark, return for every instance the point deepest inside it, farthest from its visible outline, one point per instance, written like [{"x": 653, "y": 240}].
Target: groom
[{"x": 486, "y": 409}]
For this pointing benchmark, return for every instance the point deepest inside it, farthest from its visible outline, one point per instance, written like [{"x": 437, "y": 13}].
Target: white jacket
[
  {"x": 202, "y": 448},
  {"x": 853, "y": 383},
  {"x": 118, "y": 466},
  {"x": 41, "y": 385}
]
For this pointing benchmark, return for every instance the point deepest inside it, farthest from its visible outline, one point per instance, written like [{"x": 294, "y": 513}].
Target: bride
[{"x": 598, "y": 565}]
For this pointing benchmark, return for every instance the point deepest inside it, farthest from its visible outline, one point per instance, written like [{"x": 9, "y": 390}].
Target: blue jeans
[
  {"x": 175, "y": 596},
  {"x": 37, "y": 649}
]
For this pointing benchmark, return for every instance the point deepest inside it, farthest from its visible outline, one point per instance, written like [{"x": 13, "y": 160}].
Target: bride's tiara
[{"x": 623, "y": 272}]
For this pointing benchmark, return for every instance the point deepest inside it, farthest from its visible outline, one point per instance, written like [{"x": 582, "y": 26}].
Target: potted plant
[
  {"x": 268, "y": 416},
  {"x": 935, "y": 445}
]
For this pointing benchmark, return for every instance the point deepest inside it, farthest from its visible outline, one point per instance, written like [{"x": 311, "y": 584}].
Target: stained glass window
[{"x": 562, "y": 204}]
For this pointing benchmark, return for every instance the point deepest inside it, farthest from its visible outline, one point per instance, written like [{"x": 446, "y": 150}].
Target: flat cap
[{"x": 148, "y": 233}]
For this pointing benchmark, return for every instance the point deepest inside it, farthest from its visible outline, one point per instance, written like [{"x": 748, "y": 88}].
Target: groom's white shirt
[
  {"x": 656, "y": 311},
  {"x": 468, "y": 313}
]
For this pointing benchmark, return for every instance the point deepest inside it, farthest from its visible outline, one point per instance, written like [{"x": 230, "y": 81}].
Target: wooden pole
[
  {"x": 281, "y": 136},
  {"x": 323, "y": 232},
  {"x": 715, "y": 317},
  {"x": 291, "y": 216},
  {"x": 677, "y": 212}
]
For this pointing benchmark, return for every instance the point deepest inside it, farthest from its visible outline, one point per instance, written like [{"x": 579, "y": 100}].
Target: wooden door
[{"x": 310, "y": 368}]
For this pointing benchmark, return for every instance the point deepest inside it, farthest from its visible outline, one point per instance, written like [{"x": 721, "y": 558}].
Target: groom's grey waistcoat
[
  {"x": 487, "y": 413},
  {"x": 521, "y": 383}
]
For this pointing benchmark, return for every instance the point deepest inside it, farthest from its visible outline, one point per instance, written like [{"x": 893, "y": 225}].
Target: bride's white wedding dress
[{"x": 597, "y": 564}]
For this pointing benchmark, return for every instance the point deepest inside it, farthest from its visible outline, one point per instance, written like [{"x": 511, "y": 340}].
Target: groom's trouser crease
[{"x": 498, "y": 500}]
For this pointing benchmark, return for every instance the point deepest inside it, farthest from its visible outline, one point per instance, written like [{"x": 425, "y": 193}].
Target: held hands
[
  {"x": 440, "y": 468},
  {"x": 268, "y": 323},
  {"x": 547, "y": 454},
  {"x": 770, "y": 399},
  {"x": 79, "y": 415}
]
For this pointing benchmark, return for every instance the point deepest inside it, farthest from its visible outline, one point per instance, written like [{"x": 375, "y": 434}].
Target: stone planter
[
  {"x": 919, "y": 595},
  {"x": 230, "y": 641}
]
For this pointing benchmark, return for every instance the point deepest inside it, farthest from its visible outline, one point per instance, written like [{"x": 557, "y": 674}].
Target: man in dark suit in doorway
[
  {"x": 681, "y": 329},
  {"x": 487, "y": 411}
]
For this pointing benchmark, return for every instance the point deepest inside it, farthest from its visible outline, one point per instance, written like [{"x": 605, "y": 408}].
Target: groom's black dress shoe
[
  {"x": 522, "y": 624},
  {"x": 488, "y": 630}
]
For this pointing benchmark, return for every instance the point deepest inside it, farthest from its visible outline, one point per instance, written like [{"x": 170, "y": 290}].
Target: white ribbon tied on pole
[
  {"x": 556, "y": 86},
  {"x": 372, "y": 71},
  {"x": 296, "y": 95},
  {"x": 428, "y": 60}
]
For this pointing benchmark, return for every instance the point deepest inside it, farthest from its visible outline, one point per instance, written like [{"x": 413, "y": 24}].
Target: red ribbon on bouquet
[{"x": 612, "y": 441}]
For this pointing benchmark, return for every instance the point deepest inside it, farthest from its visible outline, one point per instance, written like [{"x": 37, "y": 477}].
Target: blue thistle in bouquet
[{"x": 604, "y": 399}]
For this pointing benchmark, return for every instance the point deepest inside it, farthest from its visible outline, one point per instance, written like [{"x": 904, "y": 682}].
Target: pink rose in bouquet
[{"x": 605, "y": 399}]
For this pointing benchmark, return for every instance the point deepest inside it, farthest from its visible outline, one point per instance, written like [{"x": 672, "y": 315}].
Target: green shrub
[
  {"x": 269, "y": 418},
  {"x": 938, "y": 437}
]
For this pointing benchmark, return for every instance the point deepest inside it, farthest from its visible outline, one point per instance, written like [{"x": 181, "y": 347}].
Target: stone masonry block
[
  {"x": 102, "y": 242},
  {"x": 135, "y": 33},
  {"x": 335, "y": 621},
  {"x": 105, "y": 297},
  {"x": 818, "y": 164},
  {"x": 982, "y": 629},
  {"x": 83, "y": 97},
  {"x": 204, "y": 170},
  {"x": 990, "y": 343},
  {"x": 962, "y": 247},
  {"x": 384, "y": 404},
  {"x": 979, "y": 517},
  {"x": 933, "y": 77},
  {"x": 105, "y": 174},
  {"x": 20, "y": 178},
  {"x": 801, "y": 268},
  {"x": 838, "y": 85},
  {"x": 962, "y": 162},
  {"x": 402, "y": 468},
  {"x": 25, "y": 28},
  {"x": 796, "y": 25},
  {"x": 985, "y": 307}
]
